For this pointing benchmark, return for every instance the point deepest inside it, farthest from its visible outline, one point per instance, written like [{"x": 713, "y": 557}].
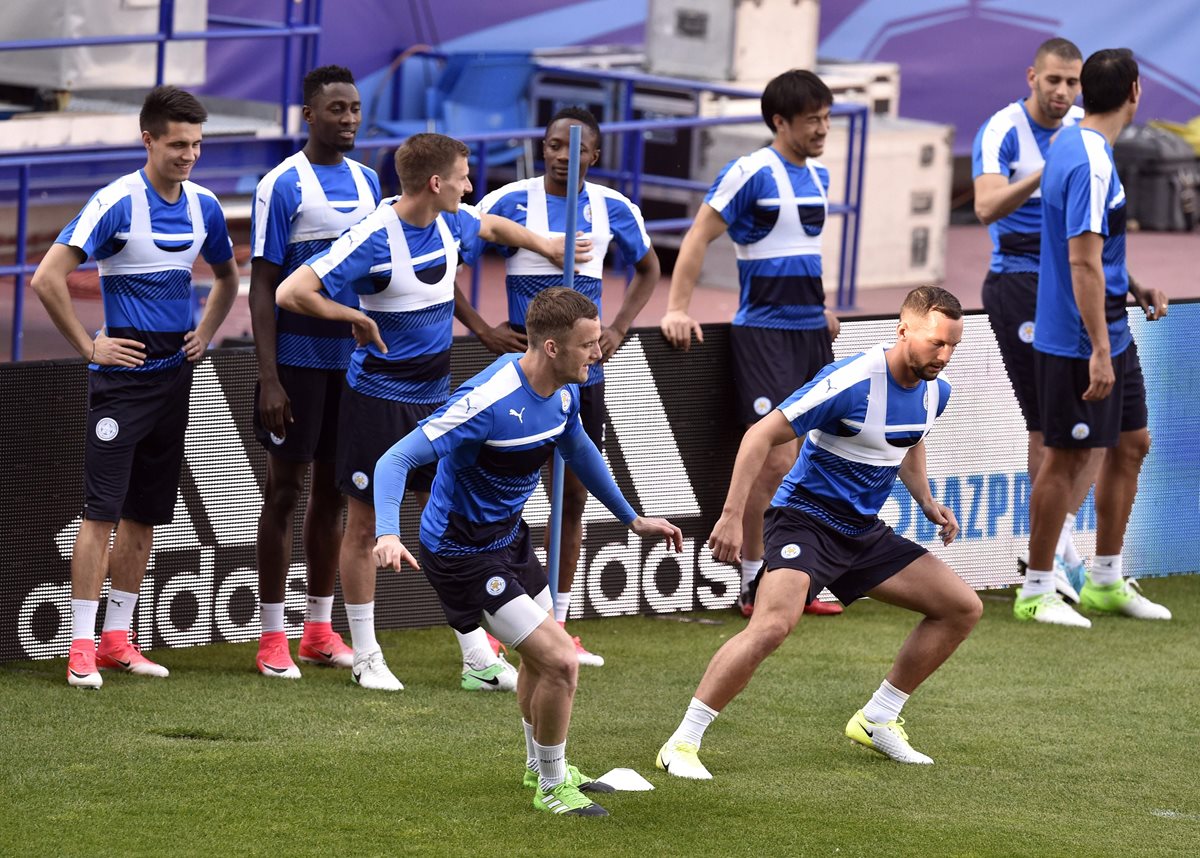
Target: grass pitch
[{"x": 1047, "y": 741}]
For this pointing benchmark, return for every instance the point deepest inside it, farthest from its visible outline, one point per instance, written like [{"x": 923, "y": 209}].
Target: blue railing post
[
  {"x": 18, "y": 318},
  {"x": 554, "y": 552},
  {"x": 166, "y": 28},
  {"x": 480, "y": 193}
]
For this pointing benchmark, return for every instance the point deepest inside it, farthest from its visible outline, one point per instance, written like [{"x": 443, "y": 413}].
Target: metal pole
[
  {"x": 166, "y": 27},
  {"x": 556, "y": 484},
  {"x": 18, "y": 317}
]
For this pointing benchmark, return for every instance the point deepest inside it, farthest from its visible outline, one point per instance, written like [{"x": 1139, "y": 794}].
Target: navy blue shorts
[
  {"x": 135, "y": 441},
  {"x": 592, "y": 412},
  {"x": 367, "y": 427},
  {"x": 770, "y": 364},
  {"x": 850, "y": 566},
  {"x": 1071, "y": 423},
  {"x": 469, "y": 584},
  {"x": 314, "y": 395},
  {"x": 1010, "y": 301}
]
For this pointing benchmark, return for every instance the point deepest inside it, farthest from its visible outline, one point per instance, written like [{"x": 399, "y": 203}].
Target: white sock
[
  {"x": 83, "y": 619},
  {"x": 272, "y": 616},
  {"x": 1106, "y": 570},
  {"x": 362, "y": 626},
  {"x": 118, "y": 611},
  {"x": 319, "y": 609},
  {"x": 552, "y": 764},
  {"x": 476, "y": 651},
  {"x": 750, "y": 572},
  {"x": 1037, "y": 583},
  {"x": 1070, "y": 554},
  {"x": 562, "y": 604},
  {"x": 1064, "y": 536},
  {"x": 531, "y": 760},
  {"x": 885, "y": 704},
  {"x": 695, "y": 721}
]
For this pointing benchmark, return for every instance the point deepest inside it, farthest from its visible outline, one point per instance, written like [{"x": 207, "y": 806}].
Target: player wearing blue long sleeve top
[{"x": 491, "y": 440}]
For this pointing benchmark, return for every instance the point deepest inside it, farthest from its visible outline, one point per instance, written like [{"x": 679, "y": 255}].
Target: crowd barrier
[{"x": 670, "y": 440}]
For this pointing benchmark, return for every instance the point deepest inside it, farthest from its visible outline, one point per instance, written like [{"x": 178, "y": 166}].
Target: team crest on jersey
[
  {"x": 107, "y": 429},
  {"x": 566, "y": 400},
  {"x": 1025, "y": 332},
  {"x": 1080, "y": 431},
  {"x": 360, "y": 480},
  {"x": 587, "y": 212},
  {"x": 790, "y": 551},
  {"x": 761, "y": 406},
  {"x": 495, "y": 585}
]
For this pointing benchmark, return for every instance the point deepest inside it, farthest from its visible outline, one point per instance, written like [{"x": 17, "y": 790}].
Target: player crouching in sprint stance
[
  {"x": 863, "y": 421},
  {"x": 492, "y": 438}
]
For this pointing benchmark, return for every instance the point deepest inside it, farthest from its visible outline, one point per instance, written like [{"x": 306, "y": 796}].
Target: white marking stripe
[
  {"x": 830, "y": 386},
  {"x": 528, "y": 439},
  {"x": 899, "y": 427},
  {"x": 500, "y": 385},
  {"x": 808, "y": 201},
  {"x": 1102, "y": 170},
  {"x": 417, "y": 260}
]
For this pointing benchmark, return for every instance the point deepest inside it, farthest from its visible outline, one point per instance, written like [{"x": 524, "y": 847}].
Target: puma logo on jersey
[{"x": 520, "y": 415}]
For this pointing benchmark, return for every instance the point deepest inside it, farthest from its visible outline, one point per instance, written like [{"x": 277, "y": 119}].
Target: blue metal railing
[
  {"x": 630, "y": 172},
  {"x": 301, "y": 20}
]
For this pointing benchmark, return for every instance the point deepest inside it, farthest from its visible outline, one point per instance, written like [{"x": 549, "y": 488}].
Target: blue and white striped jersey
[
  {"x": 1081, "y": 192},
  {"x": 145, "y": 248},
  {"x": 775, "y": 212},
  {"x": 300, "y": 208},
  {"x": 492, "y": 439},
  {"x": 857, "y": 423},
  {"x": 604, "y": 215},
  {"x": 1012, "y": 145},
  {"x": 403, "y": 276}
]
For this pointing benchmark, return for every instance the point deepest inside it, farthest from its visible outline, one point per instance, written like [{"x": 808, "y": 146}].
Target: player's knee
[
  {"x": 1134, "y": 447},
  {"x": 562, "y": 667},
  {"x": 324, "y": 500},
  {"x": 970, "y": 611},
  {"x": 282, "y": 493},
  {"x": 768, "y": 635}
]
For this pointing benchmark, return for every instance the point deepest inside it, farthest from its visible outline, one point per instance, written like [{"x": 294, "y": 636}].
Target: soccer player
[
  {"x": 863, "y": 420},
  {"x": 400, "y": 262},
  {"x": 144, "y": 230},
  {"x": 773, "y": 203},
  {"x": 300, "y": 208},
  {"x": 490, "y": 441},
  {"x": 605, "y": 216},
  {"x": 1089, "y": 381},
  {"x": 1007, "y": 159}
]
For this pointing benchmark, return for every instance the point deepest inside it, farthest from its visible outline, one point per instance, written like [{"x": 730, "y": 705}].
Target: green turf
[{"x": 1048, "y": 741}]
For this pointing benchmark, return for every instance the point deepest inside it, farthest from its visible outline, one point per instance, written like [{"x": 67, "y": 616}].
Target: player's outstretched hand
[
  {"x": 1100, "y": 377},
  {"x": 390, "y": 552},
  {"x": 583, "y": 250},
  {"x": 114, "y": 351},
  {"x": 944, "y": 519},
  {"x": 1152, "y": 301},
  {"x": 502, "y": 340},
  {"x": 366, "y": 332},
  {"x": 726, "y": 539},
  {"x": 678, "y": 327},
  {"x": 274, "y": 407},
  {"x": 658, "y": 527}
]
